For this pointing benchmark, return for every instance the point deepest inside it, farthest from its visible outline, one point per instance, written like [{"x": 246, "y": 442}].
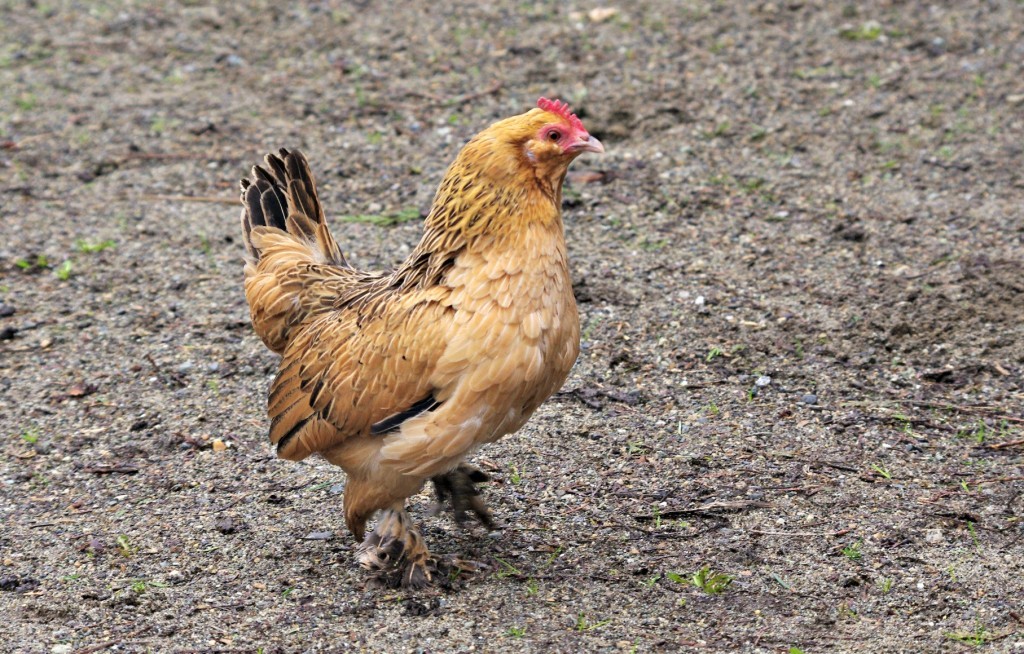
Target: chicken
[{"x": 397, "y": 376}]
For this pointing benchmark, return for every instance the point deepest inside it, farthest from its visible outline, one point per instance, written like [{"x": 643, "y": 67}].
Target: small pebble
[
  {"x": 809, "y": 398},
  {"x": 227, "y": 525}
]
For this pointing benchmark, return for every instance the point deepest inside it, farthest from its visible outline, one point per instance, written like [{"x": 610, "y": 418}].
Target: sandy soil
[{"x": 799, "y": 269}]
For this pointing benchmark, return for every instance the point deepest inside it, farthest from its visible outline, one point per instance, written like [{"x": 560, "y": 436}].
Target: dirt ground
[{"x": 799, "y": 268}]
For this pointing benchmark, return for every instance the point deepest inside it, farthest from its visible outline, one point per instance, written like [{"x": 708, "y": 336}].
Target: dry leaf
[{"x": 601, "y": 14}]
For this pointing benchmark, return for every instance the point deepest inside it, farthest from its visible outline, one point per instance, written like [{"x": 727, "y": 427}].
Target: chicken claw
[
  {"x": 459, "y": 488},
  {"x": 396, "y": 550}
]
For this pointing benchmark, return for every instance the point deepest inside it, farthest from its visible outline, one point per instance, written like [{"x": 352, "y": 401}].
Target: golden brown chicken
[{"x": 398, "y": 376}]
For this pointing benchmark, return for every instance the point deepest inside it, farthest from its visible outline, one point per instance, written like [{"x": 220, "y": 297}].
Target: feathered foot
[
  {"x": 396, "y": 551},
  {"x": 459, "y": 488}
]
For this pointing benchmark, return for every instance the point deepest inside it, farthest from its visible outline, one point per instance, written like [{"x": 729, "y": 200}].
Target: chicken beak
[{"x": 590, "y": 144}]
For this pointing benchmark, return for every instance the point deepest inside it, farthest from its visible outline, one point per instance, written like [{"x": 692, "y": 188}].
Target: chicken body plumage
[{"x": 397, "y": 377}]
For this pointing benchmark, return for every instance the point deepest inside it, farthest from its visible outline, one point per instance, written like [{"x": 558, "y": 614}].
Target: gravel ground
[{"x": 799, "y": 269}]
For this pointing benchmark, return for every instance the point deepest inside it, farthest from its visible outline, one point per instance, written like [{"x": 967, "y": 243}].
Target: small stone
[
  {"x": 901, "y": 329},
  {"x": 227, "y": 525},
  {"x": 319, "y": 535},
  {"x": 763, "y": 380},
  {"x": 61, "y": 648},
  {"x": 94, "y": 546},
  {"x": 809, "y": 398},
  {"x": 219, "y": 445},
  {"x": 934, "y": 536},
  {"x": 22, "y": 585}
]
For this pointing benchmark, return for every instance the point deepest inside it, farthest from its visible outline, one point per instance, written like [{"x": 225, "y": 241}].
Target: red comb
[{"x": 562, "y": 109}]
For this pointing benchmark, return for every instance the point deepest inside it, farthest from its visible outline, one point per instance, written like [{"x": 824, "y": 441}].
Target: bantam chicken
[{"x": 398, "y": 376}]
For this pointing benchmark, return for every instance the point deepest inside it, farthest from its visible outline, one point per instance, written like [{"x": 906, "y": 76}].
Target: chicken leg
[
  {"x": 459, "y": 488},
  {"x": 396, "y": 546}
]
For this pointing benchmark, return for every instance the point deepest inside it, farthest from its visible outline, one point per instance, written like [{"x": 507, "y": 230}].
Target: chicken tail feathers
[
  {"x": 283, "y": 195},
  {"x": 294, "y": 268}
]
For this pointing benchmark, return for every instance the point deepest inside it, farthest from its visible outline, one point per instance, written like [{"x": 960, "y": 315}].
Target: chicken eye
[{"x": 554, "y": 135}]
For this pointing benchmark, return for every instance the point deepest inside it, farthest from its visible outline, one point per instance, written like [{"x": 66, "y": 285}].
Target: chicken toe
[
  {"x": 396, "y": 551},
  {"x": 458, "y": 487}
]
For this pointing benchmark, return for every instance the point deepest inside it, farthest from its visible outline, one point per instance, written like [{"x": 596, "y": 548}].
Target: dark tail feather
[{"x": 285, "y": 197}]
